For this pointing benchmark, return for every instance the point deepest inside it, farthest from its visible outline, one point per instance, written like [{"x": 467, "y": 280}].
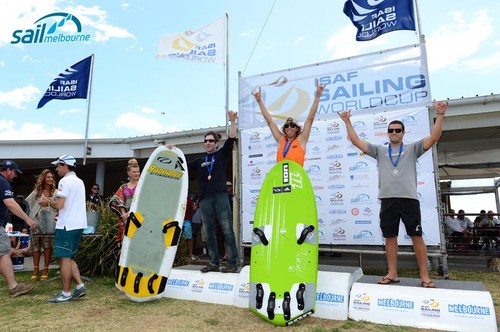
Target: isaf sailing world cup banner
[{"x": 377, "y": 88}]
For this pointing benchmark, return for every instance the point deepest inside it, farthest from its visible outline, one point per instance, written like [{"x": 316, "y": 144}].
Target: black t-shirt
[
  {"x": 215, "y": 165},
  {"x": 5, "y": 192},
  {"x": 94, "y": 199}
]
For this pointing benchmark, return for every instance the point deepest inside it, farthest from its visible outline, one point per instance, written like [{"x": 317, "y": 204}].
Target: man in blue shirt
[{"x": 8, "y": 171}]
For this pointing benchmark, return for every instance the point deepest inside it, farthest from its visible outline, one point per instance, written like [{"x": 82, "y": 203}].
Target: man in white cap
[
  {"x": 8, "y": 171},
  {"x": 71, "y": 222}
]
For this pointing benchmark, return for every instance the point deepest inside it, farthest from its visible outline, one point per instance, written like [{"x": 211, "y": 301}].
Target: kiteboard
[
  {"x": 284, "y": 254},
  {"x": 153, "y": 228}
]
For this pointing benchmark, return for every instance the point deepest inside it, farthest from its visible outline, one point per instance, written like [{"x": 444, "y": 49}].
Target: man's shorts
[
  {"x": 4, "y": 242},
  {"x": 187, "y": 230},
  {"x": 392, "y": 210},
  {"x": 67, "y": 242}
]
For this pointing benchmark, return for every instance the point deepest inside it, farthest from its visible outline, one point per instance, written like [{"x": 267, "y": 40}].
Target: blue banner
[
  {"x": 73, "y": 83},
  {"x": 373, "y": 18}
]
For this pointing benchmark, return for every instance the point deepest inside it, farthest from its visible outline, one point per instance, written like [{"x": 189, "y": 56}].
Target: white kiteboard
[{"x": 153, "y": 229}]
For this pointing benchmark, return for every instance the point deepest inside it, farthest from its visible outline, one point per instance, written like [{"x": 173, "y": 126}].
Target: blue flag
[
  {"x": 73, "y": 83},
  {"x": 373, "y": 18}
]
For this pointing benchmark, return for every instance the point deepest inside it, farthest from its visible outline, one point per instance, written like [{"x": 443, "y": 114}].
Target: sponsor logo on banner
[
  {"x": 338, "y": 221},
  {"x": 220, "y": 287},
  {"x": 336, "y": 198},
  {"x": 339, "y": 234},
  {"x": 353, "y": 154},
  {"x": 334, "y": 147},
  {"x": 367, "y": 212},
  {"x": 409, "y": 121},
  {"x": 360, "y": 166},
  {"x": 332, "y": 128},
  {"x": 257, "y": 155},
  {"x": 253, "y": 201},
  {"x": 52, "y": 28},
  {"x": 362, "y": 222},
  {"x": 334, "y": 138},
  {"x": 313, "y": 170},
  {"x": 315, "y": 150},
  {"x": 315, "y": 131},
  {"x": 178, "y": 283},
  {"x": 244, "y": 290},
  {"x": 354, "y": 211},
  {"x": 317, "y": 187},
  {"x": 334, "y": 156},
  {"x": 361, "y": 199},
  {"x": 336, "y": 178},
  {"x": 380, "y": 122},
  {"x": 337, "y": 211},
  {"x": 255, "y": 147},
  {"x": 359, "y": 126},
  {"x": 401, "y": 304},
  {"x": 361, "y": 302},
  {"x": 336, "y": 186},
  {"x": 321, "y": 235},
  {"x": 254, "y": 137},
  {"x": 430, "y": 308},
  {"x": 198, "y": 286},
  {"x": 363, "y": 235},
  {"x": 269, "y": 137},
  {"x": 468, "y": 309},
  {"x": 255, "y": 173},
  {"x": 318, "y": 200},
  {"x": 335, "y": 167},
  {"x": 329, "y": 298}
]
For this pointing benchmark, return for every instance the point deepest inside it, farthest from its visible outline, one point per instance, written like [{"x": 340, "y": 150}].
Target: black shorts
[{"x": 392, "y": 210}]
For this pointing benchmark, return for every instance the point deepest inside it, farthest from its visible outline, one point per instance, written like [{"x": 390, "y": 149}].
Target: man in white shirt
[{"x": 71, "y": 222}]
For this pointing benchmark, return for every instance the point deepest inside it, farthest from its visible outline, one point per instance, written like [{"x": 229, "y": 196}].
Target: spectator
[
  {"x": 122, "y": 200},
  {"x": 187, "y": 229},
  {"x": 8, "y": 172},
  {"x": 18, "y": 223},
  {"x": 94, "y": 200},
  {"x": 45, "y": 187},
  {"x": 71, "y": 222}
]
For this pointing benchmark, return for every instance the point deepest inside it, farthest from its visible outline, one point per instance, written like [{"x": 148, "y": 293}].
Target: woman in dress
[
  {"x": 45, "y": 187},
  {"x": 122, "y": 199}
]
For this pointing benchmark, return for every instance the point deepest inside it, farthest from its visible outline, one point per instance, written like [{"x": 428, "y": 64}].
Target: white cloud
[
  {"x": 32, "y": 131},
  {"x": 484, "y": 64},
  {"x": 342, "y": 44},
  {"x": 147, "y": 110},
  {"x": 455, "y": 41},
  {"x": 19, "y": 96},
  {"x": 299, "y": 40},
  {"x": 142, "y": 124},
  {"x": 71, "y": 111}
]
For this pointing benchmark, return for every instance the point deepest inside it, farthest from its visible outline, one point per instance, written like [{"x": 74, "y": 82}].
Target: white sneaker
[{"x": 194, "y": 258}]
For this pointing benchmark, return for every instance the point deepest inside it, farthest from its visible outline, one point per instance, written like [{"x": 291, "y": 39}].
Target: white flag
[{"x": 203, "y": 45}]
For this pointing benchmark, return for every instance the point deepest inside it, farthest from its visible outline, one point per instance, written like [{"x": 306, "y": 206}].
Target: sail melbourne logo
[{"x": 52, "y": 28}]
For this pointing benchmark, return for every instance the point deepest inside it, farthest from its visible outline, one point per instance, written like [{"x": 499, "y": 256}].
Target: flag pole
[
  {"x": 227, "y": 73},
  {"x": 85, "y": 144},
  {"x": 421, "y": 36}
]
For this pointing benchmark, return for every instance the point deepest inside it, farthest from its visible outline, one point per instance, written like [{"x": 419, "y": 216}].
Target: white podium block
[
  {"x": 333, "y": 289},
  {"x": 242, "y": 290},
  {"x": 452, "y": 306},
  {"x": 188, "y": 283}
]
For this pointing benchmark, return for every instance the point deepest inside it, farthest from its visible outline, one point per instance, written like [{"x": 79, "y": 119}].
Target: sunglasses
[
  {"x": 95, "y": 188},
  {"x": 397, "y": 130},
  {"x": 209, "y": 140},
  {"x": 291, "y": 125}
]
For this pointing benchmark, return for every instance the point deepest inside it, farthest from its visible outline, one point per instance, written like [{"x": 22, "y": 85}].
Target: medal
[
  {"x": 210, "y": 166},
  {"x": 395, "y": 162},
  {"x": 209, "y": 177},
  {"x": 395, "y": 171}
]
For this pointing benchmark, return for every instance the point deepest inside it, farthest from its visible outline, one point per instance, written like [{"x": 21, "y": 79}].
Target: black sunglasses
[
  {"x": 95, "y": 188},
  {"x": 291, "y": 125},
  {"x": 209, "y": 140},
  {"x": 397, "y": 130}
]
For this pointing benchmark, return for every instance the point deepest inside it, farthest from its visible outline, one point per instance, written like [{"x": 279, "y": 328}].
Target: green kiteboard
[
  {"x": 153, "y": 229},
  {"x": 284, "y": 255}
]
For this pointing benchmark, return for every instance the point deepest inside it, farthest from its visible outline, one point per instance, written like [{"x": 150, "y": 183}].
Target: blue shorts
[
  {"x": 67, "y": 242},
  {"x": 187, "y": 230}
]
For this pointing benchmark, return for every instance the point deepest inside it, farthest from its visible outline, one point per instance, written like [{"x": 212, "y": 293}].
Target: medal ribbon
[
  {"x": 287, "y": 147},
  {"x": 395, "y": 163},
  {"x": 211, "y": 165}
]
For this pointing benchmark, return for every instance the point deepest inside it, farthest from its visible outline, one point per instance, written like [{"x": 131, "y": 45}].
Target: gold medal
[
  {"x": 209, "y": 177},
  {"x": 395, "y": 171}
]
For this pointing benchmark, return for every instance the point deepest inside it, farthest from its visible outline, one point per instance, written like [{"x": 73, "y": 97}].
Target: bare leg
[
  {"x": 75, "y": 273},
  {"x": 391, "y": 252},
  {"x": 189, "y": 245},
  {"x": 421, "y": 254},
  {"x": 36, "y": 264},
  {"x": 7, "y": 270},
  {"x": 66, "y": 273},
  {"x": 47, "y": 255}
]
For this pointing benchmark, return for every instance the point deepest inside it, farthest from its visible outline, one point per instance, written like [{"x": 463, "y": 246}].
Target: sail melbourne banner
[
  {"x": 73, "y": 83},
  {"x": 203, "y": 45},
  {"x": 373, "y": 18}
]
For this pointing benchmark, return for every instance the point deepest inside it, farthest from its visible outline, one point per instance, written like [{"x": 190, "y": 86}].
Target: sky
[{"x": 135, "y": 94}]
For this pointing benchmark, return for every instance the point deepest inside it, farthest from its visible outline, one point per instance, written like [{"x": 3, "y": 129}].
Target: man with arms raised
[
  {"x": 398, "y": 188},
  {"x": 71, "y": 222}
]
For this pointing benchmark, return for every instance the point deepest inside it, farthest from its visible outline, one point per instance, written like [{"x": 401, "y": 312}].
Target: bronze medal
[{"x": 209, "y": 177}]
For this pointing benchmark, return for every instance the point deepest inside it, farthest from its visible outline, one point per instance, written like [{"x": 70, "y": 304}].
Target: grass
[{"x": 106, "y": 309}]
